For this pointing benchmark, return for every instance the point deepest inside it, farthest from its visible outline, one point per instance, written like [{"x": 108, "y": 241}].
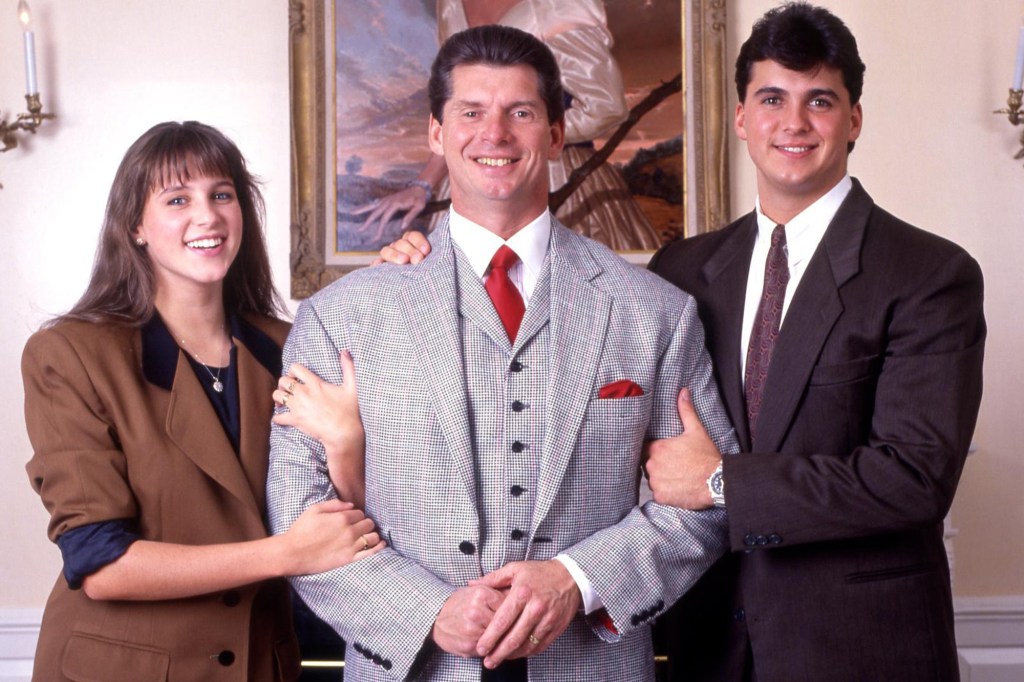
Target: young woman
[{"x": 148, "y": 406}]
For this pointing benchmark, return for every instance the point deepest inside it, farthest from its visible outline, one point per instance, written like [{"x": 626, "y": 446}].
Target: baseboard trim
[
  {"x": 19, "y": 631},
  {"x": 989, "y": 631},
  {"x": 990, "y": 638}
]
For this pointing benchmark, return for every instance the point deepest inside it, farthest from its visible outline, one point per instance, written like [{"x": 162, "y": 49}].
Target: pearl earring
[{"x": 140, "y": 241}]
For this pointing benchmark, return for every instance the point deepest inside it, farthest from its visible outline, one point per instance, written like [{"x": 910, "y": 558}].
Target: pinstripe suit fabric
[{"x": 432, "y": 365}]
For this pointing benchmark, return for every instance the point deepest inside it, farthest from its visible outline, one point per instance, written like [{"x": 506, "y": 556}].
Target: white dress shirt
[
  {"x": 803, "y": 234},
  {"x": 531, "y": 245}
]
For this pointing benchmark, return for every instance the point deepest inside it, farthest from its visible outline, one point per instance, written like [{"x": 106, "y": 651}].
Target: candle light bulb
[{"x": 24, "y": 15}]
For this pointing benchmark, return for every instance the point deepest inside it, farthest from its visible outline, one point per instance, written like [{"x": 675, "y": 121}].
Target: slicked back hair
[{"x": 495, "y": 45}]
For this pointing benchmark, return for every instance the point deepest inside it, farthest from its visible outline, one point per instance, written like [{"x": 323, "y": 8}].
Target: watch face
[{"x": 716, "y": 483}]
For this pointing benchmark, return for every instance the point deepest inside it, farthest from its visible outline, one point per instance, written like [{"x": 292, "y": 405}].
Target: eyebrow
[
  {"x": 812, "y": 94},
  {"x": 474, "y": 104},
  {"x": 177, "y": 188}
]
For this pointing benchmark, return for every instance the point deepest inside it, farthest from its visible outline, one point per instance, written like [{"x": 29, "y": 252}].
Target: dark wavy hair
[
  {"x": 802, "y": 37},
  {"x": 121, "y": 289},
  {"x": 495, "y": 45}
]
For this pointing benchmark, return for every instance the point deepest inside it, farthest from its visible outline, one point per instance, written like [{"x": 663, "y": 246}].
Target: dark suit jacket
[
  {"x": 838, "y": 569},
  {"x": 122, "y": 429}
]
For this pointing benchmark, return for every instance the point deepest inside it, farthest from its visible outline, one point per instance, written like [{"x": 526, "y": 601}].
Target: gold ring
[
  {"x": 284, "y": 400},
  {"x": 533, "y": 640},
  {"x": 291, "y": 386},
  {"x": 366, "y": 543}
]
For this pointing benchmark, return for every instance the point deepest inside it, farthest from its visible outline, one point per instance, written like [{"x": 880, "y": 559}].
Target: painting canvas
[{"x": 370, "y": 62}]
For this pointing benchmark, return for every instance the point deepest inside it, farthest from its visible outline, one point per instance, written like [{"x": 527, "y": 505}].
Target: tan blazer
[{"x": 122, "y": 429}]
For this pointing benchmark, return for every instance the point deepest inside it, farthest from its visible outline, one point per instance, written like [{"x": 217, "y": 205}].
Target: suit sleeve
[
  {"x": 385, "y": 604},
  {"x": 921, "y": 397},
  {"x": 77, "y": 467},
  {"x": 642, "y": 564}
]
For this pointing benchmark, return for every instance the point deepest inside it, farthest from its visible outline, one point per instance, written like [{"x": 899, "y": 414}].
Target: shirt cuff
[
  {"x": 89, "y": 548},
  {"x": 591, "y": 599}
]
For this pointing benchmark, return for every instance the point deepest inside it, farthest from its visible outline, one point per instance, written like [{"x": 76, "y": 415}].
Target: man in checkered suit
[{"x": 503, "y": 460}]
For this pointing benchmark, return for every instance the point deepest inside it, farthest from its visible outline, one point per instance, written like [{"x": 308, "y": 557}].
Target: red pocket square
[{"x": 623, "y": 388}]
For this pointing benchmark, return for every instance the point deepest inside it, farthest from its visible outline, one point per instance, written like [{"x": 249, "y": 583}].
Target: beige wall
[{"x": 931, "y": 153}]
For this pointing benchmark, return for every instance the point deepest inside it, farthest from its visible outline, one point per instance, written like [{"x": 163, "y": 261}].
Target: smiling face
[
  {"x": 193, "y": 230},
  {"x": 497, "y": 141},
  {"x": 797, "y": 126}
]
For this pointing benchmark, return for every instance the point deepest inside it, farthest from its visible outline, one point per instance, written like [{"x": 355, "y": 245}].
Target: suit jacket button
[
  {"x": 226, "y": 658},
  {"x": 467, "y": 547},
  {"x": 761, "y": 540},
  {"x": 377, "y": 659},
  {"x": 516, "y": 490},
  {"x": 517, "y": 446},
  {"x": 516, "y": 534},
  {"x": 231, "y": 598},
  {"x": 516, "y": 366},
  {"x": 386, "y": 664},
  {"x": 518, "y": 406},
  {"x": 775, "y": 539},
  {"x": 749, "y": 540}
]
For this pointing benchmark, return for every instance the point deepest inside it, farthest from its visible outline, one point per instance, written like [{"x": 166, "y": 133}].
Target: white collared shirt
[
  {"x": 531, "y": 245},
  {"x": 479, "y": 245},
  {"x": 803, "y": 234}
]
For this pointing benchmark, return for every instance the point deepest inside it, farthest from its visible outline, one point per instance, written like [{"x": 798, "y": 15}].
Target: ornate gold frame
[{"x": 706, "y": 189}]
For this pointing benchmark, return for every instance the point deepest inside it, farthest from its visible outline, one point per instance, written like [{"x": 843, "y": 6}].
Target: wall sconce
[
  {"x": 35, "y": 116},
  {"x": 1013, "y": 103},
  {"x": 1016, "y": 116}
]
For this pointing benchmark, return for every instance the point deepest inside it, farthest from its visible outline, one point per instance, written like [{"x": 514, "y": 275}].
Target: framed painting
[{"x": 657, "y": 162}]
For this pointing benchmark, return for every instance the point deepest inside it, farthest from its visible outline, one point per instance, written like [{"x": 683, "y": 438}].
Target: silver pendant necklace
[{"x": 217, "y": 385}]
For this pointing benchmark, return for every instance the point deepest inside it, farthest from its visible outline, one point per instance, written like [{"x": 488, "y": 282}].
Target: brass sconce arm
[
  {"x": 1015, "y": 115},
  {"x": 28, "y": 121}
]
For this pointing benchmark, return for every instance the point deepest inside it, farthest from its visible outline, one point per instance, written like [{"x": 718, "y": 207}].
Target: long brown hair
[{"x": 121, "y": 289}]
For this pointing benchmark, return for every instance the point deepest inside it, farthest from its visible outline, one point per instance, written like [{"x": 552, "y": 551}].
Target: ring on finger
[
  {"x": 366, "y": 543},
  {"x": 533, "y": 640},
  {"x": 290, "y": 388},
  {"x": 284, "y": 400}
]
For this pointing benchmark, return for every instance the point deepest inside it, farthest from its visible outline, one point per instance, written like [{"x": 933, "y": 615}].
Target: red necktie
[
  {"x": 504, "y": 295},
  {"x": 766, "y": 324}
]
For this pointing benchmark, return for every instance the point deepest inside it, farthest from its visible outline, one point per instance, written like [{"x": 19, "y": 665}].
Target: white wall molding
[
  {"x": 19, "y": 630},
  {"x": 990, "y": 638},
  {"x": 989, "y": 631}
]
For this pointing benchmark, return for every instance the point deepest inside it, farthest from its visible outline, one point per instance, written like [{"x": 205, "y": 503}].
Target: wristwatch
[{"x": 716, "y": 484}]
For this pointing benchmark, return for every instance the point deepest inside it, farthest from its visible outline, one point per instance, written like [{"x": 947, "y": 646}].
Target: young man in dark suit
[{"x": 848, "y": 349}]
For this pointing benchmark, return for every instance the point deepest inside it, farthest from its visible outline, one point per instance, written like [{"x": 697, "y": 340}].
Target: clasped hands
[{"x": 516, "y": 611}]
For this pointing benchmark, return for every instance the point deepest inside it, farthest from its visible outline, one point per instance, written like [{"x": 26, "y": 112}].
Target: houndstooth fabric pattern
[{"x": 415, "y": 364}]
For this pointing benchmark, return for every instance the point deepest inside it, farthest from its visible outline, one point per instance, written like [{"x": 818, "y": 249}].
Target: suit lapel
[
  {"x": 255, "y": 388},
  {"x": 579, "y": 320},
  {"x": 812, "y": 314},
  {"x": 725, "y": 276},
  {"x": 193, "y": 426},
  {"x": 430, "y": 305}
]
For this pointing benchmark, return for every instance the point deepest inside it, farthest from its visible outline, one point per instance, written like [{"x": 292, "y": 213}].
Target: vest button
[
  {"x": 516, "y": 490},
  {"x": 518, "y": 406},
  {"x": 467, "y": 547},
  {"x": 516, "y": 534},
  {"x": 516, "y": 366},
  {"x": 517, "y": 446},
  {"x": 226, "y": 658}
]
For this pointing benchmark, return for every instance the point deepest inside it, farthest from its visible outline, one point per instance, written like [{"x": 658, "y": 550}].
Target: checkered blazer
[{"x": 608, "y": 321}]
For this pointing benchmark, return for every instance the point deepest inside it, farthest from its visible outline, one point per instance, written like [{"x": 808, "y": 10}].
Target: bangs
[{"x": 183, "y": 156}]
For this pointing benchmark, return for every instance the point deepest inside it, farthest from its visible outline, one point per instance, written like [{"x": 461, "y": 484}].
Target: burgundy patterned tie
[
  {"x": 766, "y": 324},
  {"x": 504, "y": 295}
]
